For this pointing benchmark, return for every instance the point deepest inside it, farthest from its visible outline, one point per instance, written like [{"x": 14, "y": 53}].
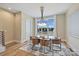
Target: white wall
[
  {"x": 26, "y": 27},
  {"x": 72, "y": 28},
  {"x": 17, "y": 27},
  {"x": 60, "y": 18},
  {"x": 10, "y": 23},
  {"x": 7, "y": 25}
]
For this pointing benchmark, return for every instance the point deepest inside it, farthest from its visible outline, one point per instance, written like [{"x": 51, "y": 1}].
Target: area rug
[{"x": 45, "y": 51}]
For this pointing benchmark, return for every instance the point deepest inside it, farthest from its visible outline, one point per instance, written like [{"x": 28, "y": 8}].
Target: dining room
[{"x": 45, "y": 30}]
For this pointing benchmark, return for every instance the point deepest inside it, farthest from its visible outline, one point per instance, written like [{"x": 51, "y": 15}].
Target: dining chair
[
  {"x": 35, "y": 41},
  {"x": 44, "y": 43},
  {"x": 56, "y": 42}
]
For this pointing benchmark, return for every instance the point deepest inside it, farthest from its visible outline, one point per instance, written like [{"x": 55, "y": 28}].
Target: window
[{"x": 46, "y": 25}]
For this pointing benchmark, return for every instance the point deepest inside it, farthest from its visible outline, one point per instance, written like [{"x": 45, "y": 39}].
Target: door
[{"x": 28, "y": 29}]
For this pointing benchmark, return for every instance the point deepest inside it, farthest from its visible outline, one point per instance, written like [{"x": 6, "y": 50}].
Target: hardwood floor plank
[{"x": 13, "y": 50}]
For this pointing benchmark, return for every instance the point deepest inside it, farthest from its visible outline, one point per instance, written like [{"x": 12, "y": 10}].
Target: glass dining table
[{"x": 46, "y": 41}]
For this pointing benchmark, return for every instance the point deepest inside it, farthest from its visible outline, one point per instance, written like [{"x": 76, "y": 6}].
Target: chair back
[
  {"x": 34, "y": 40},
  {"x": 56, "y": 41},
  {"x": 44, "y": 42}
]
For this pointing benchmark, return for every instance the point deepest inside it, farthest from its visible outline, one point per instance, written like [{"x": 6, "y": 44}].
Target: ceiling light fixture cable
[{"x": 42, "y": 10}]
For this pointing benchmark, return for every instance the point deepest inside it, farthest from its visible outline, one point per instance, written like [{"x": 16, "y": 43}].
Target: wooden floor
[
  {"x": 12, "y": 49},
  {"x": 11, "y": 44}
]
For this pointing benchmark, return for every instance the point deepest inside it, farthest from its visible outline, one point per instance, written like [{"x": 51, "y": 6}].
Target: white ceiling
[{"x": 33, "y": 9}]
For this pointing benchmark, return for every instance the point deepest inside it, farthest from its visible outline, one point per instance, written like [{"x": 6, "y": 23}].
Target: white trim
[{"x": 10, "y": 42}]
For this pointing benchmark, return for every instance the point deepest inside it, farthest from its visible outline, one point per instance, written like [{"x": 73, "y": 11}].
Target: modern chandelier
[{"x": 42, "y": 17}]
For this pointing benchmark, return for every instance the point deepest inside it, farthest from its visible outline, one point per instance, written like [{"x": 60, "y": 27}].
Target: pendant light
[{"x": 42, "y": 10}]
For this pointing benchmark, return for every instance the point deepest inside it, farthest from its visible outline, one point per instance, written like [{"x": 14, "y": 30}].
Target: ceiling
[{"x": 33, "y": 9}]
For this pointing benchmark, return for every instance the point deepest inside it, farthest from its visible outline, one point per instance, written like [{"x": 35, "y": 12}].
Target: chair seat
[{"x": 56, "y": 42}]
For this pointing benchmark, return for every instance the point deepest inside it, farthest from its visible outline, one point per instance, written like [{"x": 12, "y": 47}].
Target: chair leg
[
  {"x": 52, "y": 50},
  {"x": 33, "y": 47},
  {"x": 43, "y": 49},
  {"x": 40, "y": 48},
  {"x": 60, "y": 47}
]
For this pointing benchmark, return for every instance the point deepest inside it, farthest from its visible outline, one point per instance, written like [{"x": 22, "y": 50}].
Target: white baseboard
[{"x": 10, "y": 42}]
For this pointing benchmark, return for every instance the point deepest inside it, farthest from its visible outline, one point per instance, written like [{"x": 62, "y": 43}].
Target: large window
[{"x": 46, "y": 25}]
